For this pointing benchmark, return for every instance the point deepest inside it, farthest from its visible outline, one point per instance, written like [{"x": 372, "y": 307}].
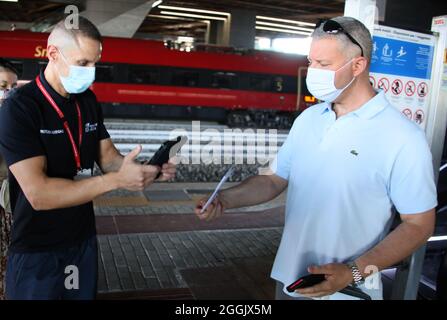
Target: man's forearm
[
  {"x": 398, "y": 245},
  {"x": 56, "y": 193},
  {"x": 114, "y": 165},
  {"x": 252, "y": 191}
]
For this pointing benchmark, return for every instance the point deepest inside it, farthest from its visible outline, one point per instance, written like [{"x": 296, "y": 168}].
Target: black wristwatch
[{"x": 356, "y": 274}]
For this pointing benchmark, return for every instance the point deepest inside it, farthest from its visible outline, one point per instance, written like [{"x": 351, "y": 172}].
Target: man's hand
[
  {"x": 167, "y": 171},
  {"x": 247, "y": 193},
  {"x": 214, "y": 210},
  {"x": 338, "y": 276},
  {"x": 134, "y": 176}
]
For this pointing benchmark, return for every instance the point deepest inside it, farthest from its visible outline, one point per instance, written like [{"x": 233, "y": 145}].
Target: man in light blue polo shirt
[{"x": 346, "y": 162}]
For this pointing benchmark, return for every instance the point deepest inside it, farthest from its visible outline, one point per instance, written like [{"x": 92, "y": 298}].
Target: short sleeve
[
  {"x": 412, "y": 186},
  {"x": 102, "y": 130},
  {"x": 19, "y": 130},
  {"x": 282, "y": 162}
]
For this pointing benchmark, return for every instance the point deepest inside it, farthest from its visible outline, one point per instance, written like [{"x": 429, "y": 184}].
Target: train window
[
  {"x": 304, "y": 90},
  {"x": 144, "y": 74},
  {"x": 260, "y": 83},
  {"x": 289, "y": 84},
  {"x": 41, "y": 65},
  {"x": 104, "y": 73},
  {"x": 223, "y": 80},
  {"x": 18, "y": 65},
  {"x": 185, "y": 78},
  {"x": 279, "y": 84},
  {"x": 32, "y": 68}
]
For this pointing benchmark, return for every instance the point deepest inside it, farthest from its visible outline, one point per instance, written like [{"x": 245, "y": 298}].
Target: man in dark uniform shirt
[{"x": 51, "y": 134}]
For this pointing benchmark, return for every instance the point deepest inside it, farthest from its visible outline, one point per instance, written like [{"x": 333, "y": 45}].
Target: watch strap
[{"x": 356, "y": 274}]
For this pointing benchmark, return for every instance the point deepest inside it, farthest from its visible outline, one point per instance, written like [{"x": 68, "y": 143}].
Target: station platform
[{"x": 152, "y": 246}]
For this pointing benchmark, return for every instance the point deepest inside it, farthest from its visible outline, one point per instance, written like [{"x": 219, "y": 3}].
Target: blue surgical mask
[
  {"x": 321, "y": 83},
  {"x": 78, "y": 79}
]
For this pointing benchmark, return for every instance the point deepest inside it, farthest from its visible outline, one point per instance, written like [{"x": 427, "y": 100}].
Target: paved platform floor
[{"x": 153, "y": 247}]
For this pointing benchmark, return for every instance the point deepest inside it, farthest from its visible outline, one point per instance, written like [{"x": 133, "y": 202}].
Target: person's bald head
[
  {"x": 81, "y": 46},
  {"x": 64, "y": 35}
]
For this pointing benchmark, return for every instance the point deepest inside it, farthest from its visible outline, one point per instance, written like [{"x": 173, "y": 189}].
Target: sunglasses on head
[{"x": 333, "y": 27}]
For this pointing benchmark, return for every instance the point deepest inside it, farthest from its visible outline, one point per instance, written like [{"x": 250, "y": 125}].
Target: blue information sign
[
  {"x": 401, "y": 63},
  {"x": 401, "y": 58}
]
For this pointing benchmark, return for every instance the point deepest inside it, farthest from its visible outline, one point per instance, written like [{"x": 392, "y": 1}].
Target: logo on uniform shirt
[
  {"x": 89, "y": 127},
  {"x": 52, "y": 132},
  {"x": 354, "y": 152}
]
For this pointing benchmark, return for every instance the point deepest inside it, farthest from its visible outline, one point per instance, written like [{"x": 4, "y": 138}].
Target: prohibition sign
[
  {"x": 396, "y": 87},
  {"x": 419, "y": 116},
  {"x": 384, "y": 84},
  {"x": 422, "y": 89},
  {"x": 407, "y": 112},
  {"x": 410, "y": 88}
]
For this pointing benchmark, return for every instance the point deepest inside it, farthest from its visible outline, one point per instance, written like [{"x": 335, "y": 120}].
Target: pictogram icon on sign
[
  {"x": 422, "y": 89},
  {"x": 372, "y": 80},
  {"x": 396, "y": 87},
  {"x": 419, "y": 116},
  {"x": 383, "y": 84},
  {"x": 407, "y": 112},
  {"x": 410, "y": 88}
]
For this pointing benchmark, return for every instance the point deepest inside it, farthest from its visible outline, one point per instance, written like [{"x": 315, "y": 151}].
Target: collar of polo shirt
[{"x": 369, "y": 109}]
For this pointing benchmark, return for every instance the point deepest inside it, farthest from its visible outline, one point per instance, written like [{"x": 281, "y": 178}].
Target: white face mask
[
  {"x": 2, "y": 96},
  {"x": 321, "y": 83}
]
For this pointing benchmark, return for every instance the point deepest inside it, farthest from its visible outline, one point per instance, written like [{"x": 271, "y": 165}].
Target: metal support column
[{"x": 365, "y": 11}]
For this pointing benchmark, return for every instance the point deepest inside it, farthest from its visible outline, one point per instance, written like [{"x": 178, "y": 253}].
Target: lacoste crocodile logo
[{"x": 354, "y": 152}]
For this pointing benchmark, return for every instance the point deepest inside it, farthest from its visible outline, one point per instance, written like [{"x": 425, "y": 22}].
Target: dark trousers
[{"x": 68, "y": 274}]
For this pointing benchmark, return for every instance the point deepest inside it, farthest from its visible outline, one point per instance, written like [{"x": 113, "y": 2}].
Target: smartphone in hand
[
  {"x": 306, "y": 281},
  {"x": 167, "y": 150},
  {"x": 314, "y": 279}
]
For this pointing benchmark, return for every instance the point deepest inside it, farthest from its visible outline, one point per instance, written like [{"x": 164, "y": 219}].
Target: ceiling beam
[
  {"x": 181, "y": 25},
  {"x": 313, "y": 16},
  {"x": 232, "y": 4},
  {"x": 48, "y": 6},
  {"x": 309, "y": 4}
]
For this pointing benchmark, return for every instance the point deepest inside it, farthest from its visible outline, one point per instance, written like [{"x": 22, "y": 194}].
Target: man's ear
[
  {"x": 52, "y": 52},
  {"x": 360, "y": 64}
]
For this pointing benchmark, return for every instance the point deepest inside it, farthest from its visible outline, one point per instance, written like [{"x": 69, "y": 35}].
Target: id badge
[{"x": 83, "y": 174}]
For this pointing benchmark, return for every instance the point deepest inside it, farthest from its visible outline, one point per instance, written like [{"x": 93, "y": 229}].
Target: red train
[{"x": 153, "y": 79}]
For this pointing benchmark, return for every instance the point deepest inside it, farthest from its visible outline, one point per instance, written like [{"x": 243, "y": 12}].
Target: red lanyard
[{"x": 76, "y": 150}]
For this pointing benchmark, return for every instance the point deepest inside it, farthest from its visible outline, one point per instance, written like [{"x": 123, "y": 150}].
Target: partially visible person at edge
[
  {"x": 346, "y": 162},
  {"x": 51, "y": 134},
  {"x": 8, "y": 81}
]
